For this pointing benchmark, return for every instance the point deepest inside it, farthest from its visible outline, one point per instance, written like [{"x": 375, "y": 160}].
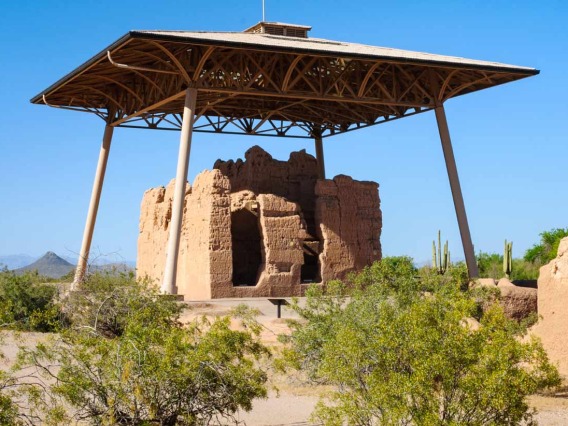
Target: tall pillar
[
  {"x": 456, "y": 191},
  {"x": 170, "y": 270},
  {"x": 319, "y": 157},
  {"x": 93, "y": 208}
]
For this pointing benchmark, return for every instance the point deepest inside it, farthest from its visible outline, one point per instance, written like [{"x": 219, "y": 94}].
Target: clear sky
[{"x": 510, "y": 141}]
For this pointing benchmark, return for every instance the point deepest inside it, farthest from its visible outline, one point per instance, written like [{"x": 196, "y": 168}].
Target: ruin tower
[{"x": 262, "y": 227}]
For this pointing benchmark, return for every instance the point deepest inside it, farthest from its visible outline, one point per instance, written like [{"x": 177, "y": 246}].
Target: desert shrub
[
  {"x": 391, "y": 271},
  {"x": 107, "y": 302},
  {"x": 68, "y": 277},
  {"x": 9, "y": 413},
  {"x": 130, "y": 361},
  {"x": 523, "y": 270},
  {"x": 8, "y": 410},
  {"x": 547, "y": 250},
  {"x": 398, "y": 275},
  {"x": 26, "y": 303},
  {"x": 491, "y": 266},
  {"x": 405, "y": 349}
]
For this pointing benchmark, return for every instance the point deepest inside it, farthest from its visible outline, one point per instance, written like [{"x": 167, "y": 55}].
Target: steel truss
[{"x": 141, "y": 84}]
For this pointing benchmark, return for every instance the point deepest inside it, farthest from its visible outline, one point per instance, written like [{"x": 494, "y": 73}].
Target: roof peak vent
[{"x": 279, "y": 28}]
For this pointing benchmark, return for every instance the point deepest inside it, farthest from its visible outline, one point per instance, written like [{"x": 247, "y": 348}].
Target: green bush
[
  {"x": 11, "y": 397},
  {"x": 8, "y": 412},
  {"x": 491, "y": 266},
  {"x": 523, "y": 270},
  {"x": 8, "y": 409},
  {"x": 547, "y": 250},
  {"x": 26, "y": 303},
  {"x": 68, "y": 277},
  {"x": 107, "y": 302},
  {"x": 403, "y": 348},
  {"x": 129, "y": 360}
]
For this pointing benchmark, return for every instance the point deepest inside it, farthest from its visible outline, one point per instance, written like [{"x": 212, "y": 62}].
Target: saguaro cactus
[
  {"x": 439, "y": 262},
  {"x": 508, "y": 259}
]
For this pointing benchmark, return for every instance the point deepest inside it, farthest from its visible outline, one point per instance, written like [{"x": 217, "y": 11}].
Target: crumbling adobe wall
[
  {"x": 294, "y": 179},
  {"x": 350, "y": 222},
  {"x": 552, "y": 327},
  {"x": 155, "y": 216},
  {"x": 276, "y": 211},
  {"x": 281, "y": 232},
  {"x": 205, "y": 242}
]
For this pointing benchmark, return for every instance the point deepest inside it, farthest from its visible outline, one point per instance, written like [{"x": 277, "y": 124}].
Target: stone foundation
[{"x": 262, "y": 227}]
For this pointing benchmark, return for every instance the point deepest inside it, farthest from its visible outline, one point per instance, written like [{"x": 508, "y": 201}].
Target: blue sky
[{"x": 510, "y": 142}]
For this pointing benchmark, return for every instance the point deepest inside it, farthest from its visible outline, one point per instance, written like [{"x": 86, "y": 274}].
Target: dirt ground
[{"x": 292, "y": 402}]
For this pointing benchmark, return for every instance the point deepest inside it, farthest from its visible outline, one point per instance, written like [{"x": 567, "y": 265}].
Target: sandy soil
[
  {"x": 293, "y": 402},
  {"x": 294, "y": 410}
]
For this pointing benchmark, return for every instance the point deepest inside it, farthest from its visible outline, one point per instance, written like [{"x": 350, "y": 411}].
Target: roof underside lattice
[{"x": 263, "y": 84}]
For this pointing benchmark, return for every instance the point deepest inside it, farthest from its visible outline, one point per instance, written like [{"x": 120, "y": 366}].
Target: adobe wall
[
  {"x": 552, "y": 328},
  {"x": 155, "y": 216},
  {"x": 266, "y": 223},
  {"x": 350, "y": 222},
  {"x": 294, "y": 179}
]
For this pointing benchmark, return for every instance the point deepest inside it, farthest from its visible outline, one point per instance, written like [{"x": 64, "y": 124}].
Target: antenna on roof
[{"x": 263, "y": 18}]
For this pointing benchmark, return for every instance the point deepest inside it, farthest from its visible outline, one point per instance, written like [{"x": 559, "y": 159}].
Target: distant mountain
[
  {"x": 49, "y": 265},
  {"x": 13, "y": 261}
]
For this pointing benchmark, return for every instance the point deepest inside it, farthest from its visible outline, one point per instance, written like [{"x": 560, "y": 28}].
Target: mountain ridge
[
  {"x": 54, "y": 266},
  {"x": 13, "y": 261},
  {"x": 49, "y": 265}
]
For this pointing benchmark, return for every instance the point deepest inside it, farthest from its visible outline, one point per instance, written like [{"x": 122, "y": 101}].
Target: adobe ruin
[
  {"x": 262, "y": 227},
  {"x": 552, "y": 327}
]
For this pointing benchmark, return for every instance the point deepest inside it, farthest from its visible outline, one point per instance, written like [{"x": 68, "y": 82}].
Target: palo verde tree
[
  {"x": 412, "y": 347},
  {"x": 126, "y": 359}
]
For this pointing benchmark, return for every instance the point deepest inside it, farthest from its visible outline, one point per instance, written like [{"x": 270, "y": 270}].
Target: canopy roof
[{"x": 263, "y": 84}]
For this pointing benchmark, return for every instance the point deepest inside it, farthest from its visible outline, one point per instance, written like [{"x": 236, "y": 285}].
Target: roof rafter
[{"x": 250, "y": 82}]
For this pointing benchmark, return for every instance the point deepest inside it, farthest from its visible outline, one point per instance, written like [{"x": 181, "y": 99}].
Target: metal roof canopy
[{"x": 265, "y": 85}]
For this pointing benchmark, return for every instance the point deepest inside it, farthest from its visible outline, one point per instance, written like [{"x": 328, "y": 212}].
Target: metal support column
[
  {"x": 456, "y": 191},
  {"x": 170, "y": 270},
  {"x": 93, "y": 208},
  {"x": 319, "y": 157}
]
